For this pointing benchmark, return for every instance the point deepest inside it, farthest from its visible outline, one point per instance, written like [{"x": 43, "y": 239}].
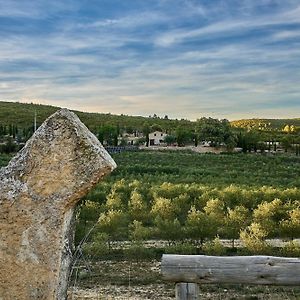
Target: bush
[
  {"x": 291, "y": 248},
  {"x": 98, "y": 247},
  {"x": 136, "y": 251},
  {"x": 184, "y": 248},
  {"x": 253, "y": 238},
  {"x": 214, "y": 247}
]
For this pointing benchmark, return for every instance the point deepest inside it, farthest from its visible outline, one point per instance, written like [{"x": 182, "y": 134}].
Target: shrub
[
  {"x": 98, "y": 247},
  {"x": 183, "y": 248},
  {"x": 253, "y": 238},
  {"x": 292, "y": 248},
  {"x": 214, "y": 247},
  {"x": 136, "y": 251}
]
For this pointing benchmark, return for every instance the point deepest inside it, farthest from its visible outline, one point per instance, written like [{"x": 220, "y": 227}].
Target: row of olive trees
[{"x": 177, "y": 212}]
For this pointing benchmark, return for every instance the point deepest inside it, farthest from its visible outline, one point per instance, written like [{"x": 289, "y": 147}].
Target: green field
[
  {"x": 185, "y": 199},
  {"x": 172, "y": 195},
  {"x": 190, "y": 199},
  {"x": 4, "y": 159},
  {"x": 208, "y": 169}
]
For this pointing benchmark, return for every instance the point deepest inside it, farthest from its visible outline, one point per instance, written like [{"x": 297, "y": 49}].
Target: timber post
[{"x": 186, "y": 291}]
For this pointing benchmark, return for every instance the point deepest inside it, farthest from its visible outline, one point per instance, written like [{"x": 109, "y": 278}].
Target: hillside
[
  {"x": 22, "y": 115},
  {"x": 265, "y": 124}
]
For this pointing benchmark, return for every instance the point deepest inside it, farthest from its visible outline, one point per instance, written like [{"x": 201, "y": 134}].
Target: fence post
[{"x": 186, "y": 291}]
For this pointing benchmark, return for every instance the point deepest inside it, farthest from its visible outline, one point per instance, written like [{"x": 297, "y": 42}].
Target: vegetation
[
  {"x": 193, "y": 200},
  {"x": 21, "y": 115},
  {"x": 190, "y": 200},
  {"x": 267, "y": 124},
  {"x": 186, "y": 202},
  {"x": 16, "y": 123}
]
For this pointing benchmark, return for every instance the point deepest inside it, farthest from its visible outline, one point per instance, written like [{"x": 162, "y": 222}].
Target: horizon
[
  {"x": 150, "y": 116},
  {"x": 222, "y": 58}
]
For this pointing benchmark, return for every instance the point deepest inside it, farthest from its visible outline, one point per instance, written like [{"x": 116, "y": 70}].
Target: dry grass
[{"x": 142, "y": 280}]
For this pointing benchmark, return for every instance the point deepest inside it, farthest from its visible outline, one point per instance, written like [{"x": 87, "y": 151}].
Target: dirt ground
[{"x": 122, "y": 280}]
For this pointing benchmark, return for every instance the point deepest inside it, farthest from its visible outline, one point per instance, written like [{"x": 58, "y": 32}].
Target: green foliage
[
  {"x": 253, "y": 238},
  {"x": 169, "y": 230},
  {"x": 216, "y": 131},
  {"x": 138, "y": 232},
  {"x": 290, "y": 227},
  {"x": 203, "y": 199},
  {"x": 214, "y": 247},
  {"x": 22, "y": 116},
  {"x": 4, "y": 159},
  {"x": 209, "y": 169},
  {"x": 185, "y": 196},
  {"x": 184, "y": 248},
  {"x": 291, "y": 249},
  {"x": 265, "y": 124},
  {"x": 136, "y": 251},
  {"x": 236, "y": 220},
  {"x": 200, "y": 226},
  {"x": 114, "y": 224},
  {"x": 98, "y": 247},
  {"x": 137, "y": 207},
  {"x": 269, "y": 215},
  {"x": 170, "y": 139}
]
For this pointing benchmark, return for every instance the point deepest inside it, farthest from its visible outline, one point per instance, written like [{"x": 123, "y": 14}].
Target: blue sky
[{"x": 184, "y": 58}]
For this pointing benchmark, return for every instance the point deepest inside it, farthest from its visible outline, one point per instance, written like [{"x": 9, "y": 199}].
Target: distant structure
[
  {"x": 34, "y": 121},
  {"x": 156, "y": 138}
]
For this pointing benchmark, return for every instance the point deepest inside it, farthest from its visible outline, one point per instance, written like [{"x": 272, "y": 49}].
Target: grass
[
  {"x": 212, "y": 169},
  {"x": 143, "y": 279},
  {"x": 4, "y": 159}
]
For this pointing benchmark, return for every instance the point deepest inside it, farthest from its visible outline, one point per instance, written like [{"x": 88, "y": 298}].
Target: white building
[{"x": 156, "y": 138}]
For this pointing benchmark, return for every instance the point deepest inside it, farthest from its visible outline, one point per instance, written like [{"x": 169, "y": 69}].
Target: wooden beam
[
  {"x": 265, "y": 270},
  {"x": 186, "y": 291}
]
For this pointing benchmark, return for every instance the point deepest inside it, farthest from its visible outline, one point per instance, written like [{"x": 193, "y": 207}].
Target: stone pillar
[{"x": 38, "y": 192}]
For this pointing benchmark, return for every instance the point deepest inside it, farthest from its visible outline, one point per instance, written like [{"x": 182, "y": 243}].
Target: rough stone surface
[{"x": 38, "y": 192}]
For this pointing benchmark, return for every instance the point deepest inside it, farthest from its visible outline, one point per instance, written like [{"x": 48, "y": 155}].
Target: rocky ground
[{"x": 142, "y": 280}]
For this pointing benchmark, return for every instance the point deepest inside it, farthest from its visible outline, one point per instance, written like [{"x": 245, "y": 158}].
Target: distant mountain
[
  {"x": 265, "y": 124},
  {"x": 22, "y": 115}
]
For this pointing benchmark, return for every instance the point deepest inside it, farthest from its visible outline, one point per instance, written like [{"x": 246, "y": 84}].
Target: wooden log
[
  {"x": 186, "y": 291},
  {"x": 265, "y": 270}
]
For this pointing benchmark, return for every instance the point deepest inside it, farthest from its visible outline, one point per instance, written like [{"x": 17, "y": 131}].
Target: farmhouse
[
  {"x": 156, "y": 138},
  {"x": 130, "y": 138}
]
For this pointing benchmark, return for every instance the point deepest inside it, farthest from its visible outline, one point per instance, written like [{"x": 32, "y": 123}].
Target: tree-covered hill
[
  {"x": 22, "y": 115},
  {"x": 266, "y": 124}
]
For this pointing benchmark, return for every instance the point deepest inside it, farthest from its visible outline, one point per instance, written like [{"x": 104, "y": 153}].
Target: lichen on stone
[{"x": 38, "y": 191}]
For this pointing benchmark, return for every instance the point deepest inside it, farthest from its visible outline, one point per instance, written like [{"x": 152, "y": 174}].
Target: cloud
[
  {"x": 130, "y": 21},
  {"x": 37, "y": 9},
  {"x": 141, "y": 59},
  {"x": 229, "y": 27},
  {"x": 286, "y": 34}
]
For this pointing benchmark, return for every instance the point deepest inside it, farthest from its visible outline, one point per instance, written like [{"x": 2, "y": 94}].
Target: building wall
[{"x": 156, "y": 138}]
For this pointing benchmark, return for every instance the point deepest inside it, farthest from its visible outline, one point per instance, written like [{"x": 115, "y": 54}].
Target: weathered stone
[{"x": 38, "y": 192}]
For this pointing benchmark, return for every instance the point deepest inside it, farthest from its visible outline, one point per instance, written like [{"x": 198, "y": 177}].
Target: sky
[{"x": 182, "y": 58}]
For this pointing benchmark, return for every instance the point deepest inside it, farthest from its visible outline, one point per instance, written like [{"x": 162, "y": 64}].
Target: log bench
[{"x": 188, "y": 271}]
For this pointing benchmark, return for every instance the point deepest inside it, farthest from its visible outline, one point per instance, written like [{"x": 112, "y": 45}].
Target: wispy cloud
[
  {"x": 229, "y": 27},
  {"x": 225, "y": 58},
  {"x": 286, "y": 34}
]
